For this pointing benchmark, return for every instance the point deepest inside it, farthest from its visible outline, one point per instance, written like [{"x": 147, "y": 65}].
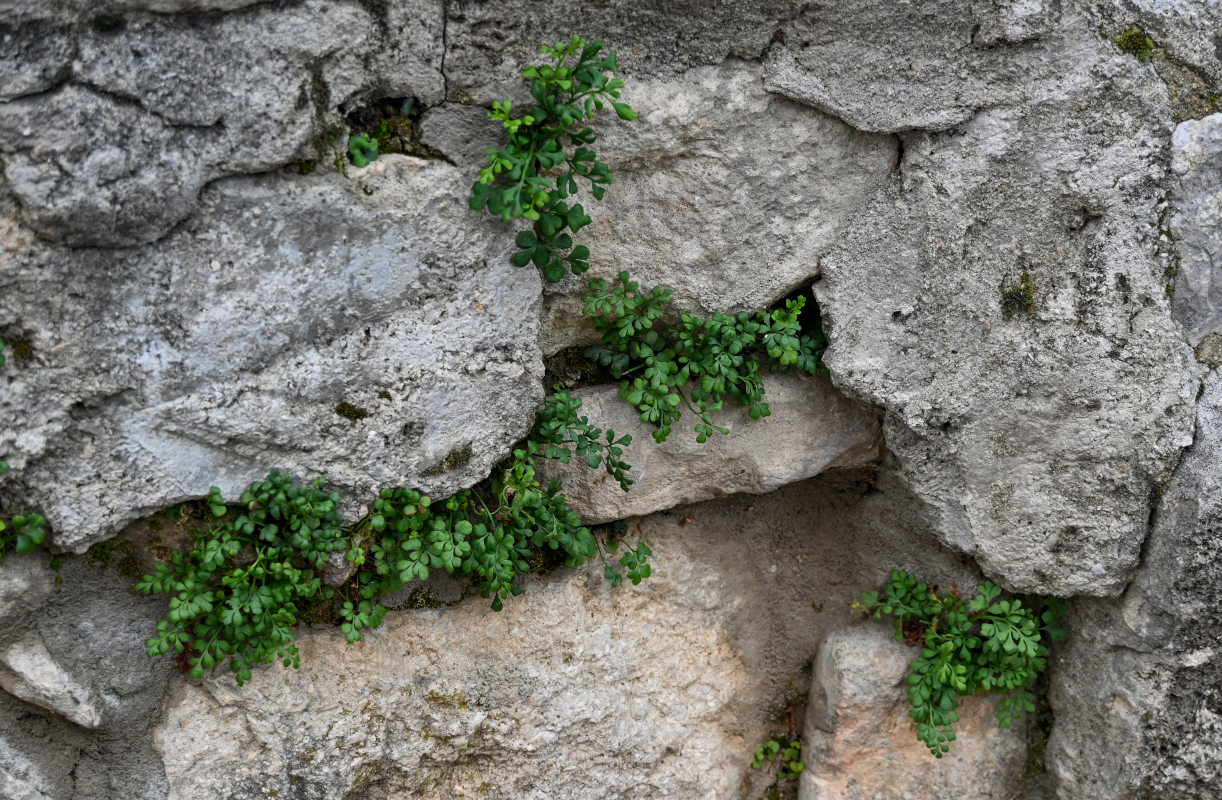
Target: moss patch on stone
[
  {"x": 1134, "y": 41},
  {"x": 456, "y": 459},
  {"x": 1019, "y": 298},
  {"x": 349, "y": 411}
]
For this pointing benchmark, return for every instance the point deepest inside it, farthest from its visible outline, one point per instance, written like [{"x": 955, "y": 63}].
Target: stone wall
[{"x": 1011, "y": 226}]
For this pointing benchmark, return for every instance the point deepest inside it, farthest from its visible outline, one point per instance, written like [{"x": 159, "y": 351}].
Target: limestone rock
[
  {"x": 576, "y": 691},
  {"x": 1196, "y": 226},
  {"x": 1138, "y": 688},
  {"x": 369, "y": 330},
  {"x": 728, "y": 212},
  {"x": 127, "y": 116},
  {"x": 20, "y": 778},
  {"x": 25, "y": 582},
  {"x": 859, "y": 742},
  {"x": 930, "y": 67},
  {"x": 813, "y": 428},
  {"x": 1038, "y": 392},
  {"x": 28, "y": 671}
]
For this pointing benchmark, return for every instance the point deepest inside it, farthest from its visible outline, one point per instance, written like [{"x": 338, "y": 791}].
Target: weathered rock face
[
  {"x": 126, "y": 116},
  {"x": 813, "y": 428},
  {"x": 1002, "y": 299},
  {"x": 575, "y": 690},
  {"x": 727, "y": 213},
  {"x": 86, "y": 636},
  {"x": 1197, "y": 226},
  {"x": 979, "y": 193},
  {"x": 223, "y": 351},
  {"x": 1138, "y": 694},
  {"x": 859, "y": 741}
]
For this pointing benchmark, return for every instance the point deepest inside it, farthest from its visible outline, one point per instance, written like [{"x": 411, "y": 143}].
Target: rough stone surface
[
  {"x": 126, "y": 117},
  {"x": 1191, "y": 30},
  {"x": 859, "y": 742},
  {"x": 1138, "y": 692},
  {"x": 575, "y": 690},
  {"x": 179, "y": 315},
  {"x": 812, "y": 428},
  {"x": 707, "y": 201},
  {"x": 932, "y": 66},
  {"x": 28, "y": 671},
  {"x": 25, "y": 582},
  {"x": 93, "y": 629},
  {"x": 729, "y": 214},
  {"x": 1196, "y": 226},
  {"x": 221, "y": 352},
  {"x": 1038, "y": 431}
]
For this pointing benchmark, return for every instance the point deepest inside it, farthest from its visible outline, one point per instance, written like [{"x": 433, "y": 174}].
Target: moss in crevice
[
  {"x": 1019, "y": 298},
  {"x": 119, "y": 554},
  {"x": 1134, "y": 41},
  {"x": 570, "y": 369},
  {"x": 349, "y": 411},
  {"x": 395, "y": 123},
  {"x": 457, "y": 459}
]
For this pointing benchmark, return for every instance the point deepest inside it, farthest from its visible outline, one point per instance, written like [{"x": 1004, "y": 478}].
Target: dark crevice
[
  {"x": 445, "y": 48},
  {"x": 898, "y": 169}
]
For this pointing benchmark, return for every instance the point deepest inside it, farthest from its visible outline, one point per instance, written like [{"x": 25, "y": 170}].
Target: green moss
[
  {"x": 57, "y": 565},
  {"x": 119, "y": 554},
  {"x": 1135, "y": 42},
  {"x": 1019, "y": 298},
  {"x": 395, "y": 124},
  {"x": 571, "y": 369},
  {"x": 20, "y": 342},
  {"x": 456, "y": 459},
  {"x": 349, "y": 411},
  {"x": 456, "y": 700}
]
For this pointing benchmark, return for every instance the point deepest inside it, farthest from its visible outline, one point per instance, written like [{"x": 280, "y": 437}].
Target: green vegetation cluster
[
  {"x": 256, "y": 572},
  {"x": 534, "y": 176},
  {"x": 238, "y": 592},
  {"x": 989, "y": 644},
  {"x": 786, "y": 752},
  {"x": 698, "y": 362}
]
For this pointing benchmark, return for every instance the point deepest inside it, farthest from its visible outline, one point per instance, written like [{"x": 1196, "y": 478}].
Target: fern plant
[
  {"x": 989, "y": 644},
  {"x": 534, "y": 176},
  {"x": 697, "y": 363},
  {"x": 238, "y": 592}
]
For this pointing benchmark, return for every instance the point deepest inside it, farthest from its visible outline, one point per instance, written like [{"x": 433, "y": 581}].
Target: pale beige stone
[
  {"x": 812, "y": 428},
  {"x": 860, "y": 743}
]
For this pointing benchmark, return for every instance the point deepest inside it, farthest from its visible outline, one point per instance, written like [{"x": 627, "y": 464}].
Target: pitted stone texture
[
  {"x": 28, "y": 671},
  {"x": 860, "y": 744},
  {"x": 576, "y": 691},
  {"x": 221, "y": 352},
  {"x": 1038, "y": 435},
  {"x": 1138, "y": 691},
  {"x": 724, "y": 193},
  {"x": 931, "y": 66},
  {"x": 26, "y": 581},
  {"x": 489, "y": 44},
  {"x": 813, "y": 428},
  {"x": 1191, "y": 30},
  {"x": 135, "y": 112},
  {"x": 92, "y": 630},
  {"x": 1197, "y": 225}
]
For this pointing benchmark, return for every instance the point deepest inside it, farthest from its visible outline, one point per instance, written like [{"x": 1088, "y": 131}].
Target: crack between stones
[
  {"x": 445, "y": 48},
  {"x": 127, "y": 101}
]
